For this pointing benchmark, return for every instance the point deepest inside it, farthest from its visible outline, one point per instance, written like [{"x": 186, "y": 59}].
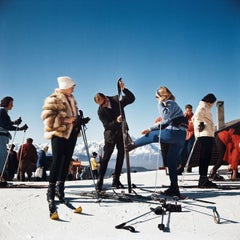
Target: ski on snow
[
  {"x": 219, "y": 187},
  {"x": 53, "y": 209},
  {"x": 22, "y": 185},
  {"x": 71, "y": 206},
  {"x": 182, "y": 196}
]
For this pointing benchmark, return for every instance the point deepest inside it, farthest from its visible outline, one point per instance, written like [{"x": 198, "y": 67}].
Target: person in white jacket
[{"x": 204, "y": 132}]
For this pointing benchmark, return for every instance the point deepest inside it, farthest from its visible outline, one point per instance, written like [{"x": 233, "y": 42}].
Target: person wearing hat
[
  {"x": 94, "y": 165},
  {"x": 170, "y": 131},
  {"x": 204, "y": 130},
  {"x": 59, "y": 115}
]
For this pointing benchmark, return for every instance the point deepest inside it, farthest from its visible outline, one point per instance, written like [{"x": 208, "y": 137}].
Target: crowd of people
[{"x": 176, "y": 131}]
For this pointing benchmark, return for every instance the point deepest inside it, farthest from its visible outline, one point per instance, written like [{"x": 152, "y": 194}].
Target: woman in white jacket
[{"x": 204, "y": 132}]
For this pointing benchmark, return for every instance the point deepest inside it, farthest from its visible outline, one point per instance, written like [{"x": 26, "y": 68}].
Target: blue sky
[{"x": 190, "y": 46}]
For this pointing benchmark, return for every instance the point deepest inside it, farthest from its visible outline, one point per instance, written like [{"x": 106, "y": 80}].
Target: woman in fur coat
[{"x": 59, "y": 115}]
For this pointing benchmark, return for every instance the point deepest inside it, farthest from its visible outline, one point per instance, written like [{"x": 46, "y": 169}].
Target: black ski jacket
[{"x": 108, "y": 116}]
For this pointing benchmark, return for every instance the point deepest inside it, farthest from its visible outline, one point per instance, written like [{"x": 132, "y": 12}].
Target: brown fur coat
[{"x": 57, "y": 107}]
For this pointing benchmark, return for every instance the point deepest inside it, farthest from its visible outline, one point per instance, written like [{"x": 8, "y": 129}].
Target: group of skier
[{"x": 62, "y": 124}]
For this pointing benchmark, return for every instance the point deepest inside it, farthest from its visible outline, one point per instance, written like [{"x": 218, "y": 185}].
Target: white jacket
[{"x": 203, "y": 114}]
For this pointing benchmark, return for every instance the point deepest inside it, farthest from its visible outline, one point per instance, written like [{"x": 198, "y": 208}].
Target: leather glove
[
  {"x": 81, "y": 121},
  {"x": 18, "y": 121},
  {"x": 85, "y": 120},
  {"x": 201, "y": 126},
  {"x": 24, "y": 127}
]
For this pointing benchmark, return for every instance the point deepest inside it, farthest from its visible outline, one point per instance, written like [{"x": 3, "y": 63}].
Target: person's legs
[
  {"x": 206, "y": 144},
  {"x": 120, "y": 156},
  {"x": 3, "y": 151},
  {"x": 119, "y": 163},
  {"x": 152, "y": 137},
  {"x": 108, "y": 150},
  {"x": 58, "y": 158},
  {"x": 205, "y": 154},
  {"x": 68, "y": 152},
  {"x": 175, "y": 140},
  {"x": 63, "y": 171}
]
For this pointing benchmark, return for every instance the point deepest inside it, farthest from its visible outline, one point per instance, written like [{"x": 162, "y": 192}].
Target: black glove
[
  {"x": 18, "y": 121},
  {"x": 201, "y": 126},
  {"x": 81, "y": 121},
  {"x": 85, "y": 120},
  {"x": 24, "y": 127}
]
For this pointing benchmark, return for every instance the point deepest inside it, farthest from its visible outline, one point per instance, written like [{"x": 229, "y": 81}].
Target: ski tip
[
  {"x": 54, "y": 216},
  {"x": 78, "y": 210}
]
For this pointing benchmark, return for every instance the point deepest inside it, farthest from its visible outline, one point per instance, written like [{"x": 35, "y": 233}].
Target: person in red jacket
[
  {"x": 27, "y": 157},
  {"x": 190, "y": 138},
  {"x": 233, "y": 163},
  {"x": 227, "y": 142}
]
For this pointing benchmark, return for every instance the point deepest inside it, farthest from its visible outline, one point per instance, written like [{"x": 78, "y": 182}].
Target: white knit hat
[{"x": 65, "y": 82}]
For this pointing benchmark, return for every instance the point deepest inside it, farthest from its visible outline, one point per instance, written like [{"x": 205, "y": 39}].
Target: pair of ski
[
  {"x": 54, "y": 214},
  {"x": 162, "y": 197},
  {"x": 22, "y": 185},
  {"x": 219, "y": 186},
  {"x": 112, "y": 194}
]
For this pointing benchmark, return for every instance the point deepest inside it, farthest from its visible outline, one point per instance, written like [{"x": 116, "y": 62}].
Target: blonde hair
[{"x": 164, "y": 91}]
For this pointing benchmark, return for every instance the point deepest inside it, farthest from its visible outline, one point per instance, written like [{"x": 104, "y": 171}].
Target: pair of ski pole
[
  {"x": 157, "y": 211},
  {"x": 8, "y": 153}
]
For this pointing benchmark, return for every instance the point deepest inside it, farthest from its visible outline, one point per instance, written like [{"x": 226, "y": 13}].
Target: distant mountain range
[
  {"x": 147, "y": 156},
  {"x": 144, "y": 158}
]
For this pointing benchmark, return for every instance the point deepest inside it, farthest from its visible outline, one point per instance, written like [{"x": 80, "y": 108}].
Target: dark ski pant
[
  {"x": 206, "y": 145},
  {"x": 174, "y": 139},
  {"x": 62, "y": 151},
  {"x": 108, "y": 150}
]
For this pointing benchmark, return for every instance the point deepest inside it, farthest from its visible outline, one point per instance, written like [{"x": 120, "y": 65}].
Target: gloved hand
[
  {"x": 24, "y": 127},
  {"x": 85, "y": 120},
  {"x": 201, "y": 126},
  {"x": 80, "y": 121},
  {"x": 18, "y": 121}
]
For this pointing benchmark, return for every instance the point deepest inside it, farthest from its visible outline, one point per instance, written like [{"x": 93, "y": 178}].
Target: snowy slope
[{"x": 24, "y": 213}]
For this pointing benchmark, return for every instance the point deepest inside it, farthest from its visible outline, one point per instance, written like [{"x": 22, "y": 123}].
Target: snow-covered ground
[{"x": 24, "y": 213}]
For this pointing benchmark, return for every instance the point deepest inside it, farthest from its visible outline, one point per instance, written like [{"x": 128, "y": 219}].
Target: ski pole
[
  {"x": 20, "y": 156},
  {"x": 188, "y": 160},
  {"x": 161, "y": 225},
  {"x": 124, "y": 135},
  {"x": 6, "y": 160},
  {"x": 160, "y": 152},
  {"x": 157, "y": 211},
  {"x": 83, "y": 131}
]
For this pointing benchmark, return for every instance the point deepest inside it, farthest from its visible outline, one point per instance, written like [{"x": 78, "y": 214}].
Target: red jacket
[
  {"x": 190, "y": 130},
  {"x": 232, "y": 143}
]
